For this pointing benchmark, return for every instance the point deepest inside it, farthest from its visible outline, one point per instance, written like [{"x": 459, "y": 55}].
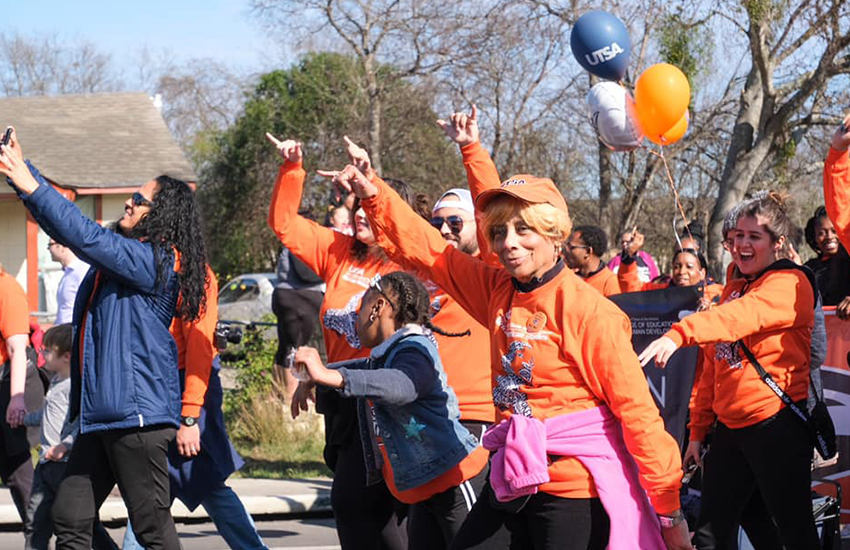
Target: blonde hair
[{"x": 543, "y": 218}]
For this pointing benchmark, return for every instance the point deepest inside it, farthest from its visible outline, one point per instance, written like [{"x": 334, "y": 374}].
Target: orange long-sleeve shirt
[
  {"x": 466, "y": 359},
  {"x": 328, "y": 254},
  {"x": 836, "y": 193},
  {"x": 605, "y": 281},
  {"x": 774, "y": 319},
  {"x": 196, "y": 350},
  {"x": 14, "y": 312},
  {"x": 554, "y": 350}
]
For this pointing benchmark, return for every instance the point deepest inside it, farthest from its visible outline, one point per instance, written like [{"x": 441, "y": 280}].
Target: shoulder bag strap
[{"x": 771, "y": 383}]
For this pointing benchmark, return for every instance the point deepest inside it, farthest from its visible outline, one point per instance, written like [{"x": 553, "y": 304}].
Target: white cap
[{"x": 463, "y": 202}]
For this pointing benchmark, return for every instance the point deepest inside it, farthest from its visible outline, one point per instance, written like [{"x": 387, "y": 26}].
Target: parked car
[{"x": 246, "y": 300}]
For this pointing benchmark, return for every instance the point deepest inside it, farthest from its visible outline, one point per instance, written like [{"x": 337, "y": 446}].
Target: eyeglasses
[
  {"x": 140, "y": 200},
  {"x": 375, "y": 283},
  {"x": 572, "y": 247},
  {"x": 455, "y": 223}
]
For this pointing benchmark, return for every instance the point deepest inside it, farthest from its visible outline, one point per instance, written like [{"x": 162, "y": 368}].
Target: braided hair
[{"x": 412, "y": 302}]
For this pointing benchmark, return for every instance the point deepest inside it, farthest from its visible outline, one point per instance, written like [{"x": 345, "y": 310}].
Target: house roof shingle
[{"x": 95, "y": 141}]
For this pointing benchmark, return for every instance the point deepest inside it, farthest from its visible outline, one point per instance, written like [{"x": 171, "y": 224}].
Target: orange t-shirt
[
  {"x": 605, "y": 281},
  {"x": 774, "y": 318},
  {"x": 196, "y": 350},
  {"x": 554, "y": 350},
  {"x": 14, "y": 312},
  {"x": 328, "y": 254},
  {"x": 464, "y": 358}
]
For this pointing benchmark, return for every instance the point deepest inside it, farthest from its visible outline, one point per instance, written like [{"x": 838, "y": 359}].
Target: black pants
[
  {"x": 545, "y": 522},
  {"x": 297, "y": 313},
  {"x": 433, "y": 523},
  {"x": 367, "y": 517},
  {"x": 135, "y": 458},
  {"x": 771, "y": 458},
  {"x": 16, "y": 468},
  {"x": 756, "y": 522},
  {"x": 48, "y": 477}
]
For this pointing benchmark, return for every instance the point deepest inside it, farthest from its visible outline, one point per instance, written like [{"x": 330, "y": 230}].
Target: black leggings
[
  {"x": 297, "y": 313},
  {"x": 771, "y": 458},
  {"x": 367, "y": 517},
  {"x": 545, "y": 522}
]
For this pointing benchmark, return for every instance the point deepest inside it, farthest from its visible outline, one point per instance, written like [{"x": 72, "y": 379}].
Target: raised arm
[
  {"x": 128, "y": 260},
  {"x": 481, "y": 173},
  {"x": 414, "y": 242},
  {"x": 310, "y": 242},
  {"x": 627, "y": 275},
  {"x": 836, "y": 183}
]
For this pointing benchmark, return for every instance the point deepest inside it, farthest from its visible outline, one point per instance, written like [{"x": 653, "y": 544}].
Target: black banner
[{"x": 652, "y": 313}]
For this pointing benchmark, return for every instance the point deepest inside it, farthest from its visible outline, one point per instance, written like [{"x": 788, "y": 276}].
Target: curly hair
[
  {"x": 594, "y": 237},
  {"x": 174, "y": 223},
  {"x": 420, "y": 204},
  {"x": 811, "y": 228},
  {"x": 413, "y": 304}
]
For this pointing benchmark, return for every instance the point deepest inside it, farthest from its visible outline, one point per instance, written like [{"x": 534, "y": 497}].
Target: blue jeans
[{"x": 233, "y": 522}]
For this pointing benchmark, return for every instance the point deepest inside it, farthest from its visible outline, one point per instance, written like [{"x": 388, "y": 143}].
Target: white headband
[{"x": 463, "y": 202}]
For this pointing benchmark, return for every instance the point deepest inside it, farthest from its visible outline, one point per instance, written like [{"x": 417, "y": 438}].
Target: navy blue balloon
[{"x": 600, "y": 43}]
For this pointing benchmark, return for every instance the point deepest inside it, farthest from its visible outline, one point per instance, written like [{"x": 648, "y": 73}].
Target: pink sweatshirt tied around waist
[{"x": 522, "y": 446}]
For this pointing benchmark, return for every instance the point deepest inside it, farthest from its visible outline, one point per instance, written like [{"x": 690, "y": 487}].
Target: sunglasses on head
[
  {"x": 455, "y": 223},
  {"x": 140, "y": 200}
]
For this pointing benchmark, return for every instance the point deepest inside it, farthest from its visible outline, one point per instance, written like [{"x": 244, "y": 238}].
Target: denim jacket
[{"x": 414, "y": 411}]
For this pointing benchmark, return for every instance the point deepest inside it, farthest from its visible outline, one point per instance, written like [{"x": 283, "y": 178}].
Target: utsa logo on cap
[{"x": 513, "y": 181}]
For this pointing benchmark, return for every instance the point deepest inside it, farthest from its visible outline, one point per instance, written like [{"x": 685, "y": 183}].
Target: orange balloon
[
  {"x": 662, "y": 95},
  {"x": 672, "y": 135}
]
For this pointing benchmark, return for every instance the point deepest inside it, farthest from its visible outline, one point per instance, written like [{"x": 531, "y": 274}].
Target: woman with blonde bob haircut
[{"x": 577, "y": 423}]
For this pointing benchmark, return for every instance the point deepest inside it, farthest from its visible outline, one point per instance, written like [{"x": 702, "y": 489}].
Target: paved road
[{"x": 313, "y": 533}]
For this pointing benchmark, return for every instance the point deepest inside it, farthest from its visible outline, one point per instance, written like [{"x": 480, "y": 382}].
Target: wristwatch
[
  {"x": 668, "y": 522},
  {"x": 188, "y": 421}
]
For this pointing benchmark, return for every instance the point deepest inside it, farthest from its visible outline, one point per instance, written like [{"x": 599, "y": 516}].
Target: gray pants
[{"x": 39, "y": 528}]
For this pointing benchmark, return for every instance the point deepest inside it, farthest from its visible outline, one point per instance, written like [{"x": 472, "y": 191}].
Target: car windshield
[{"x": 239, "y": 290}]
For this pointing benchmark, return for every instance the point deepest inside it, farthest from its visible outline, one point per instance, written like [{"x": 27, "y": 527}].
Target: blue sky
[{"x": 220, "y": 29}]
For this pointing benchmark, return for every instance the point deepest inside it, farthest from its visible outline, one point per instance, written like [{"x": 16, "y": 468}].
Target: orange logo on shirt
[{"x": 537, "y": 322}]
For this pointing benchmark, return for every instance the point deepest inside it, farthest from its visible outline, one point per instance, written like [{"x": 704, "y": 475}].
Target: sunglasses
[
  {"x": 375, "y": 284},
  {"x": 455, "y": 223},
  {"x": 140, "y": 200}
]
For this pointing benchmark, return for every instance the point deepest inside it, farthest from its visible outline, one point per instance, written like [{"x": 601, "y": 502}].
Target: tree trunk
[
  {"x": 374, "y": 92},
  {"x": 605, "y": 179},
  {"x": 742, "y": 161}
]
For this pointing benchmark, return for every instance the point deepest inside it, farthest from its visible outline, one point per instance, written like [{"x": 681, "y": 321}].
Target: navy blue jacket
[
  {"x": 129, "y": 373},
  {"x": 415, "y": 410}
]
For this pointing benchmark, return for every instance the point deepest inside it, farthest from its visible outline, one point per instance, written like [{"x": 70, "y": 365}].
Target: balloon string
[{"x": 675, "y": 196}]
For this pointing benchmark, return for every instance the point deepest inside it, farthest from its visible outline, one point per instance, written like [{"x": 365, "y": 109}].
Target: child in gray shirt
[{"x": 57, "y": 438}]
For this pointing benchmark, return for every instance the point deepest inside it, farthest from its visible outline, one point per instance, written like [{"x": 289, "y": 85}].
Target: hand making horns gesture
[{"x": 462, "y": 128}]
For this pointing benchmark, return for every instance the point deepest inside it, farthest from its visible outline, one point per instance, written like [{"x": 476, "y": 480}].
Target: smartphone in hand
[
  {"x": 690, "y": 470},
  {"x": 7, "y": 136}
]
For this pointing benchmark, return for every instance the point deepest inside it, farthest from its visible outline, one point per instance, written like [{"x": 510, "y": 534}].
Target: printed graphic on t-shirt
[
  {"x": 507, "y": 394},
  {"x": 729, "y": 351},
  {"x": 342, "y": 320},
  {"x": 357, "y": 276}
]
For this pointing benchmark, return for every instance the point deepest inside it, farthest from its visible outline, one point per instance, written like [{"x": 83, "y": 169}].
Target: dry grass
[{"x": 273, "y": 444}]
